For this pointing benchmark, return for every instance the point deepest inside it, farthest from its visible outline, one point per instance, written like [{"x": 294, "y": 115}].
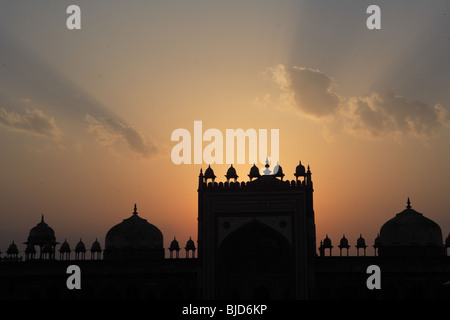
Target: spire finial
[
  {"x": 42, "y": 218},
  {"x": 135, "y": 209},
  {"x": 267, "y": 170},
  {"x": 408, "y": 204}
]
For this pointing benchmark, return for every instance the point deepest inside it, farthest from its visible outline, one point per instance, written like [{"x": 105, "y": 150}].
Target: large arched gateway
[
  {"x": 256, "y": 239},
  {"x": 256, "y": 261}
]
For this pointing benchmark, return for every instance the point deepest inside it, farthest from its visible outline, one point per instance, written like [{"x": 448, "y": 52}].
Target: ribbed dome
[
  {"x": 96, "y": 246},
  {"x": 65, "y": 247},
  {"x": 209, "y": 173},
  {"x": 410, "y": 233},
  {"x": 300, "y": 170},
  {"x": 361, "y": 243},
  {"x": 190, "y": 244},
  {"x": 174, "y": 244},
  {"x": 254, "y": 172},
  {"x": 134, "y": 239},
  {"x": 344, "y": 242},
  {"x": 80, "y": 247},
  {"x": 231, "y": 173},
  {"x": 12, "y": 249},
  {"x": 327, "y": 242},
  {"x": 41, "y": 234}
]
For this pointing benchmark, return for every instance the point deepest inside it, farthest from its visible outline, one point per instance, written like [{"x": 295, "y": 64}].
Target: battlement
[
  {"x": 265, "y": 182},
  {"x": 268, "y": 180}
]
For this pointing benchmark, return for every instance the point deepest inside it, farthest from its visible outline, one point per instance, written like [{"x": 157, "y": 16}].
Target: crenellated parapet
[{"x": 257, "y": 181}]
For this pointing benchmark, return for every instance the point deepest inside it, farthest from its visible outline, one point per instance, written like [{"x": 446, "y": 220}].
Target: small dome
[
  {"x": 327, "y": 242},
  {"x": 300, "y": 170},
  {"x": 209, "y": 173},
  {"x": 344, "y": 242},
  {"x": 41, "y": 234},
  {"x": 12, "y": 249},
  {"x": 65, "y": 247},
  {"x": 80, "y": 247},
  {"x": 410, "y": 233},
  {"x": 96, "y": 246},
  {"x": 254, "y": 172},
  {"x": 190, "y": 244},
  {"x": 174, "y": 245},
  {"x": 361, "y": 243},
  {"x": 231, "y": 173}
]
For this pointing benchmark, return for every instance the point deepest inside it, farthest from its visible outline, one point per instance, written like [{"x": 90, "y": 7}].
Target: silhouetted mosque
[{"x": 256, "y": 240}]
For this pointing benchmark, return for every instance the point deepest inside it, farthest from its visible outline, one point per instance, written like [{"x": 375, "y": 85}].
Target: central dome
[
  {"x": 134, "y": 239},
  {"x": 410, "y": 233}
]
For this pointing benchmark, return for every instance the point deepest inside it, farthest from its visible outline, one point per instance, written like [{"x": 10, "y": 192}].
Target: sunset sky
[{"x": 86, "y": 116}]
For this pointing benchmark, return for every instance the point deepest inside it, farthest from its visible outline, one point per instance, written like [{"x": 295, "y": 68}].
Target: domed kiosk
[
  {"x": 134, "y": 239},
  {"x": 409, "y": 233},
  {"x": 42, "y": 235}
]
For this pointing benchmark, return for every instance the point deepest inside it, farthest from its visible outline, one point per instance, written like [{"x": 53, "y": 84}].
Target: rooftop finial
[
  {"x": 267, "y": 170},
  {"x": 135, "y": 209},
  {"x": 408, "y": 204}
]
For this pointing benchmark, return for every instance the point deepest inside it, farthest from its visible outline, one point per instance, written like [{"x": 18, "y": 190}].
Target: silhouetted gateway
[{"x": 256, "y": 240}]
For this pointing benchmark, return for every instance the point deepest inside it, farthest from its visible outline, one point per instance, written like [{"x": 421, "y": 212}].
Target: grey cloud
[
  {"x": 381, "y": 115},
  {"x": 373, "y": 116},
  {"x": 109, "y": 132},
  {"x": 32, "y": 121},
  {"x": 26, "y": 74},
  {"x": 311, "y": 91}
]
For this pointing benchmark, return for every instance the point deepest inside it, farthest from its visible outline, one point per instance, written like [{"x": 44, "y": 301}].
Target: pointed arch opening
[{"x": 256, "y": 260}]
